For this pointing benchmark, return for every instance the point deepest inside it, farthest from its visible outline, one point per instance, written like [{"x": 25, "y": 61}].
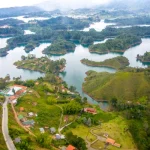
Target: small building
[
  {"x": 52, "y": 130},
  {"x": 30, "y": 114},
  {"x": 90, "y": 110},
  {"x": 42, "y": 130},
  {"x": 13, "y": 99},
  {"x": 21, "y": 109},
  {"x": 70, "y": 147},
  {"x": 28, "y": 123},
  {"x": 110, "y": 141},
  {"x": 20, "y": 117},
  {"x": 59, "y": 137},
  {"x": 17, "y": 140},
  {"x": 117, "y": 145}
]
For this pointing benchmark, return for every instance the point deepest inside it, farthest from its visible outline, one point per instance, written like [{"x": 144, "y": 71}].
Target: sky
[{"x": 55, "y": 3}]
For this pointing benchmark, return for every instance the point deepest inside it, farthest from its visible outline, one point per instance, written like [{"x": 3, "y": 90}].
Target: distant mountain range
[
  {"x": 114, "y": 4},
  {"x": 14, "y": 11},
  {"x": 130, "y": 4}
]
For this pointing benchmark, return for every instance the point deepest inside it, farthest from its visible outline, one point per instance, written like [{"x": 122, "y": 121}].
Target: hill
[
  {"x": 126, "y": 86},
  {"x": 17, "y": 11}
]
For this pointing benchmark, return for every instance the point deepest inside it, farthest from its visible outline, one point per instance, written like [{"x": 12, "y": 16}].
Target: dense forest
[
  {"x": 144, "y": 58},
  {"x": 64, "y": 23},
  {"x": 60, "y": 47},
  {"x": 11, "y": 31},
  {"x": 119, "y": 44},
  {"x": 119, "y": 62},
  {"x": 130, "y": 21},
  {"x": 11, "y": 22}
]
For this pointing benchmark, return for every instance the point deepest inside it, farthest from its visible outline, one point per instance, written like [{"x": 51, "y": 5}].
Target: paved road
[{"x": 8, "y": 140}]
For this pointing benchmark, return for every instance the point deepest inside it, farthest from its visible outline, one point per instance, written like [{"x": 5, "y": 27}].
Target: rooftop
[{"x": 70, "y": 147}]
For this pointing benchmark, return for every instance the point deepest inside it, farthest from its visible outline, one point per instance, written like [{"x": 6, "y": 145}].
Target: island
[
  {"x": 119, "y": 62},
  {"x": 120, "y": 44},
  {"x": 60, "y": 47},
  {"x": 31, "y": 46},
  {"x": 3, "y": 52},
  {"x": 42, "y": 64},
  {"x": 144, "y": 58}
]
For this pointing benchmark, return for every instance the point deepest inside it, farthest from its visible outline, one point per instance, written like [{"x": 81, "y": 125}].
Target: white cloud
[
  {"x": 53, "y": 3},
  {"x": 12, "y": 3}
]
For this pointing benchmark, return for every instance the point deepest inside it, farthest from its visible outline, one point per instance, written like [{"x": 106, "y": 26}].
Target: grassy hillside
[
  {"x": 122, "y": 85},
  {"x": 116, "y": 63}
]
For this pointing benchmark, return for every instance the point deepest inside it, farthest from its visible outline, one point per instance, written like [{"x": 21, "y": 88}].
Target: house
[
  {"x": 30, "y": 114},
  {"x": 13, "y": 99},
  {"x": 28, "y": 123},
  {"x": 117, "y": 145},
  {"x": 52, "y": 130},
  {"x": 17, "y": 140},
  {"x": 21, "y": 109},
  {"x": 70, "y": 147},
  {"x": 90, "y": 110},
  {"x": 20, "y": 117},
  {"x": 42, "y": 130},
  {"x": 110, "y": 141},
  {"x": 59, "y": 137}
]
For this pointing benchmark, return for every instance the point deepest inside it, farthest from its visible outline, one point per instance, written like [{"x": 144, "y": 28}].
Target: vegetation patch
[
  {"x": 119, "y": 62},
  {"x": 60, "y": 47},
  {"x": 119, "y": 44},
  {"x": 126, "y": 86}
]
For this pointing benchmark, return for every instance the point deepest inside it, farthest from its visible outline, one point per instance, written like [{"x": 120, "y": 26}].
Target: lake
[{"x": 75, "y": 70}]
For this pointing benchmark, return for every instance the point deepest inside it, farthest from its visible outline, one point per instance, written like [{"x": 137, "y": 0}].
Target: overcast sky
[{"x": 67, "y": 3}]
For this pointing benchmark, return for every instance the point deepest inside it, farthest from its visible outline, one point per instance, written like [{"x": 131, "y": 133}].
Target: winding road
[{"x": 7, "y": 138}]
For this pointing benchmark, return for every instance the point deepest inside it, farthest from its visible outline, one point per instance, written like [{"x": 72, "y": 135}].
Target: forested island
[
  {"x": 144, "y": 58},
  {"x": 60, "y": 47},
  {"x": 31, "y": 46},
  {"x": 10, "y": 31},
  {"x": 125, "y": 38},
  {"x": 130, "y": 21},
  {"x": 119, "y": 44},
  {"x": 119, "y": 62},
  {"x": 64, "y": 23},
  {"x": 42, "y": 64}
]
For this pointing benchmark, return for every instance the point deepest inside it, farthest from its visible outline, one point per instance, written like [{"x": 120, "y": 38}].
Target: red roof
[
  {"x": 70, "y": 147},
  {"x": 90, "y": 110},
  {"x": 110, "y": 141},
  {"x": 12, "y": 98}
]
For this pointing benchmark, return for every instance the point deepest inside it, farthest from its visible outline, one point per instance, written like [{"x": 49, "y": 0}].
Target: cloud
[
  {"x": 53, "y": 4},
  {"x": 71, "y": 4},
  {"x": 12, "y": 3}
]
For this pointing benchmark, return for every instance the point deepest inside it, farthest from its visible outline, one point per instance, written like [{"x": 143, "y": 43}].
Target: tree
[
  {"x": 23, "y": 57},
  {"x": 13, "y": 90},
  {"x": 72, "y": 88},
  {"x": 72, "y": 108},
  {"x": 89, "y": 122},
  {"x": 51, "y": 101},
  {"x": 76, "y": 141},
  {"x": 85, "y": 100},
  {"x": 44, "y": 140},
  {"x": 84, "y": 120}
]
